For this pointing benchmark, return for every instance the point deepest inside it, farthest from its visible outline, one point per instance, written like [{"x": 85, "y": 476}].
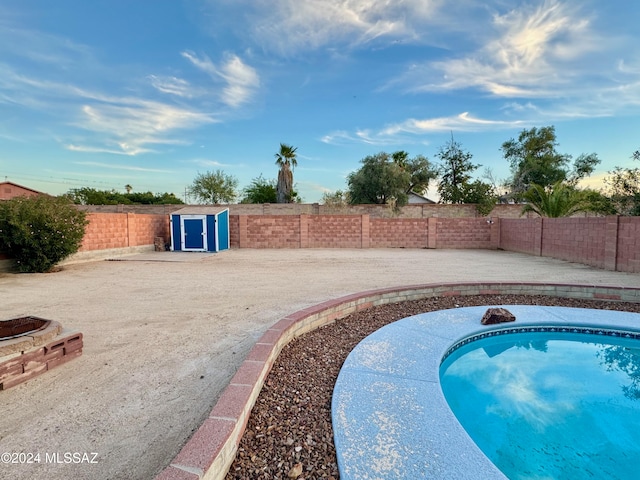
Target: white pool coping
[{"x": 390, "y": 417}]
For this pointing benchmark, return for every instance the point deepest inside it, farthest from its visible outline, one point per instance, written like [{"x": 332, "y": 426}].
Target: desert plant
[
  {"x": 40, "y": 231},
  {"x": 563, "y": 200}
]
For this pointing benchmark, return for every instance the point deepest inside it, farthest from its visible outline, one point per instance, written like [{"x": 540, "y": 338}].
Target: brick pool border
[{"x": 209, "y": 453}]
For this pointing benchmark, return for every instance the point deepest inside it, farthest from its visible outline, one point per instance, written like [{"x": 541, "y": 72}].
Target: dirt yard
[{"x": 164, "y": 333}]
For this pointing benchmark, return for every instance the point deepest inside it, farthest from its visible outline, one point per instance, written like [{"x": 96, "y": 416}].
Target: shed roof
[{"x": 200, "y": 210}]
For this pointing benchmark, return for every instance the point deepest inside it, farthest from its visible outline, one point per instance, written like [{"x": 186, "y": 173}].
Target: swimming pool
[
  {"x": 390, "y": 417},
  {"x": 550, "y": 404}
]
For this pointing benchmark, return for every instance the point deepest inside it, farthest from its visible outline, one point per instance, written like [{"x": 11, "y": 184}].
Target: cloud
[
  {"x": 412, "y": 127},
  {"x": 173, "y": 86},
  {"x": 242, "y": 81},
  {"x": 530, "y": 52},
  {"x": 132, "y": 123},
  {"x": 204, "y": 162},
  {"x": 291, "y": 26},
  {"x": 127, "y": 124},
  {"x": 123, "y": 167}
]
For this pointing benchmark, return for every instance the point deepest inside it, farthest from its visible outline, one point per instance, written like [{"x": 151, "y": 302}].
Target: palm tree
[
  {"x": 560, "y": 200},
  {"x": 286, "y": 160}
]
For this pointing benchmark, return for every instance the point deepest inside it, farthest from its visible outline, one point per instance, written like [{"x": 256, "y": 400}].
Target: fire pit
[{"x": 30, "y": 346}]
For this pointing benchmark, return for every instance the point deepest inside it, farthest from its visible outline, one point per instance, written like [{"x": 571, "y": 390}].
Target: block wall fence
[
  {"x": 120, "y": 230},
  {"x": 425, "y": 210},
  {"x": 610, "y": 243}
]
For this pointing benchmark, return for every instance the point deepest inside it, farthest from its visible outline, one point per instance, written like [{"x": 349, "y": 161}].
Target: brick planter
[{"x": 27, "y": 353}]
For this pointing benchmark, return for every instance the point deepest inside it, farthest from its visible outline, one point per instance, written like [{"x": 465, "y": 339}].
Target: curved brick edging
[{"x": 212, "y": 448}]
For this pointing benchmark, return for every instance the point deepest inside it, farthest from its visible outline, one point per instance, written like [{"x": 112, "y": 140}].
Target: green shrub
[{"x": 40, "y": 231}]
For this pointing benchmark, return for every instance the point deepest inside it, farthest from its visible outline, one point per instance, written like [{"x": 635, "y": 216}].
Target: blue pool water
[{"x": 548, "y": 405}]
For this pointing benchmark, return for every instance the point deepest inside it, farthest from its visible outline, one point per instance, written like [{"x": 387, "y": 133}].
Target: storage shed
[{"x": 200, "y": 229}]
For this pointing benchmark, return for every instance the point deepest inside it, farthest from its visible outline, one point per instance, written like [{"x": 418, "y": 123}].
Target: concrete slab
[{"x": 180, "y": 257}]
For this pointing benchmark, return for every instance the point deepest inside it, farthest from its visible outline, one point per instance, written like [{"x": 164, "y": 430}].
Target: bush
[{"x": 40, "y": 231}]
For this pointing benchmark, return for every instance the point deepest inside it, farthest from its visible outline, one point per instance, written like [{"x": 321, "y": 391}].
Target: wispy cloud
[
  {"x": 127, "y": 125},
  {"x": 173, "y": 86},
  {"x": 208, "y": 163},
  {"x": 291, "y": 26},
  {"x": 415, "y": 128},
  {"x": 522, "y": 59},
  {"x": 122, "y": 167},
  {"x": 133, "y": 123},
  {"x": 242, "y": 80},
  {"x": 461, "y": 122},
  {"x": 550, "y": 52}
]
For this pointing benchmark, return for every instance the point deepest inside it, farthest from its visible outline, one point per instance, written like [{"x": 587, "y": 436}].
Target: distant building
[
  {"x": 10, "y": 190},
  {"x": 415, "y": 198}
]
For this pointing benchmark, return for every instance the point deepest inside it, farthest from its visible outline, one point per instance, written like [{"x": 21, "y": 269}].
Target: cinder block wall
[
  {"x": 105, "y": 231},
  {"x": 335, "y": 231},
  {"x": 611, "y": 243},
  {"x": 374, "y": 211},
  {"x": 628, "y": 246},
  {"x": 399, "y": 233},
  {"x": 575, "y": 239},
  {"x": 463, "y": 233},
  {"x": 120, "y": 230},
  {"x": 521, "y": 235}
]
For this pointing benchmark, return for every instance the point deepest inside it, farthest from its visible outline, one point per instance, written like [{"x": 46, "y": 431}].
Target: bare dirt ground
[{"x": 163, "y": 338}]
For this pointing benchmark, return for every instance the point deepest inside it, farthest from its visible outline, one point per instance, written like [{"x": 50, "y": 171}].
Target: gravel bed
[{"x": 289, "y": 433}]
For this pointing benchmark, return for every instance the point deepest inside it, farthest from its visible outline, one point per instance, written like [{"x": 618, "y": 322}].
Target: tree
[
  {"x": 562, "y": 200},
  {"x": 482, "y": 194},
  {"x": 533, "y": 158},
  {"x": 214, "y": 187},
  {"x": 624, "y": 188},
  {"x": 128, "y": 188},
  {"x": 286, "y": 160},
  {"x": 455, "y": 185},
  {"x": 40, "y": 231},
  {"x": 455, "y": 172},
  {"x": 260, "y": 190},
  {"x": 91, "y": 196},
  {"x": 421, "y": 172},
  {"x": 337, "y": 199},
  {"x": 380, "y": 180}
]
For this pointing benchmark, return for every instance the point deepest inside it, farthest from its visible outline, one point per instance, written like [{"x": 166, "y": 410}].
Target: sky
[{"x": 149, "y": 93}]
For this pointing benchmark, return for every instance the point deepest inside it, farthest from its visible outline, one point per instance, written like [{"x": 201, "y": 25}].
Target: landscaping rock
[{"x": 497, "y": 315}]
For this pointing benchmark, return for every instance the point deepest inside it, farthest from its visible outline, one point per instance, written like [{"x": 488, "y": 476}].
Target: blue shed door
[{"x": 194, "y": 234}]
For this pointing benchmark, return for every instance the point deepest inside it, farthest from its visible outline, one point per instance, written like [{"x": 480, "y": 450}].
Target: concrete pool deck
[
  {"x": 163, "y": 340},
  {"x": 390, "y": 417}
]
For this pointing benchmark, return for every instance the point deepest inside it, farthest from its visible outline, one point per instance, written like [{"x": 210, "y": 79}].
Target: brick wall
[
  {"x": 374, "y": 211},
  {"x": 399, "y": 232},
  {"x": 120, "y": 230},
  {"x": 463, "y": 233},
  {"x": 269, "y": 231},
  {"x": 628, "y": 248},
  {"x": 611, "y": 243},
  {"x": 335, "y": 231},
  {"x": 575, "y": 239},
  {"x": 234, "y": 231},
  {"x": 521, "y": 235}
]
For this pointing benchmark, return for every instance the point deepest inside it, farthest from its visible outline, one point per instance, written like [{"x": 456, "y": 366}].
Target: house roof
[
  {"x": 421, "y": 197},
  {"x": 21, "y": 186},
  {"x": 200, "y": 210}
]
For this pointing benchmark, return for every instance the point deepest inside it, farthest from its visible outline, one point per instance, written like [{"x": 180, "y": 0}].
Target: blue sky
[{"x": 105, "y": 93}]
